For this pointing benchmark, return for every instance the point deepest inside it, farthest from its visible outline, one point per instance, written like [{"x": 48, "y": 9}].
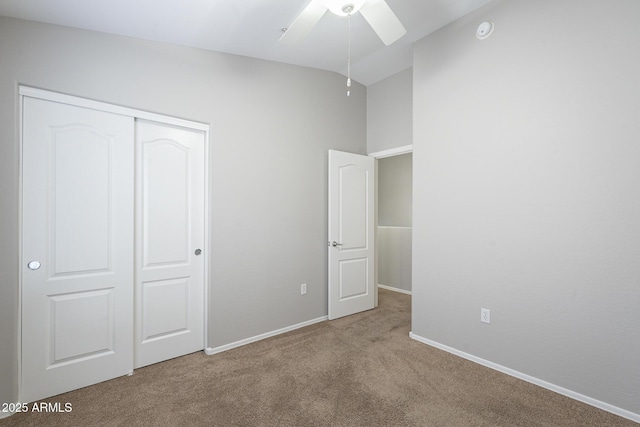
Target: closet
[{"x": 113, "y": 251}]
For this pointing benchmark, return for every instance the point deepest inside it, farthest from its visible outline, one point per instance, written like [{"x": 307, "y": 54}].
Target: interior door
[
  {"x": 77, "y": 234},
  {"x": 351, "y": 233},
  {"x": 169, "y": 242}
]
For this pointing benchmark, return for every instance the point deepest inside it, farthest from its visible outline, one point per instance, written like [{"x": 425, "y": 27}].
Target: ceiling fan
[{"x": 376, "y": 12}]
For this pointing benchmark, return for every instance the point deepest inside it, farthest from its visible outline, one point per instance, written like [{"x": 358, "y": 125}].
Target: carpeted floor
[{"x": 362, "y": 370}]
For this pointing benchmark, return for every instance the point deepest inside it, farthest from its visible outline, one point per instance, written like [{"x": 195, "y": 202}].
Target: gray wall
[
  {"x": 527, "y": 192},
  {"x": 394, "y": 221},
  {"x": 389, "y": 125},
  {"x": 390, "y": 112},
  {"x": 394, "y": 190},
  {"x": 394, "y": 257},
  {"x": 272, "y": 125}
]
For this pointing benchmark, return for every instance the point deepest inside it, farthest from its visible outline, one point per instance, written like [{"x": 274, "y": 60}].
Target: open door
[{"x": 351, "y": 233}]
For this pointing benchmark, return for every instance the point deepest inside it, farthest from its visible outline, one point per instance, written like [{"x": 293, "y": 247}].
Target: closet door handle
[
  {"x": 33, "y": 265},
  {"x": 198, "y": 251}
]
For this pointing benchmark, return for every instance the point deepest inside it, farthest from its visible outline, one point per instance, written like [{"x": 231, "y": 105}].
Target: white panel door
[
  {"x": 169, "y": 242},
  {"x": 351, "y": 233},
  {"x": 77, "y": 221}
]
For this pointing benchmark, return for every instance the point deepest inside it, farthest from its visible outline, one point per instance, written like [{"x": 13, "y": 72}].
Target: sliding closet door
[
  {"x": 169, "y": 242},
  {"x": 77, "y": 272}
]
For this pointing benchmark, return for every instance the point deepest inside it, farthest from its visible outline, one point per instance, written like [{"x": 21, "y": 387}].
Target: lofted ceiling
[{"x": 252, "y": 28}]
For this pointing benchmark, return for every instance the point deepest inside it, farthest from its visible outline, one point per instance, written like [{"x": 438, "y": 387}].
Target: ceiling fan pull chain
[{"x": 349, "y": 57}]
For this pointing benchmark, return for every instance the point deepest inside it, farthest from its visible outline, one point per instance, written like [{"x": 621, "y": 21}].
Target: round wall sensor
[{"x": 484, "y": 30}]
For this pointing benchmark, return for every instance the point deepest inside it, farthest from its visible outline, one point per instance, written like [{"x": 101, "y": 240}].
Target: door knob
[
  {"x": 33, "y": 265},
  {"x": 198, "y": 251},
  {"x": 334, "y": 244}
]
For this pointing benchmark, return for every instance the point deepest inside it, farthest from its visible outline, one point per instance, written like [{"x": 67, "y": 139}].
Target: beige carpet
[{"x": 362, "y": 370}]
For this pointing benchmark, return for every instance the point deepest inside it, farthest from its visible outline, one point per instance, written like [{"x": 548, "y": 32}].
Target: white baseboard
[
  {"x": 5, "y": 414},
  {"x": 214, "y": 350},
  {"x": 391, "y": 288},
  {"x": 533, "y": 380}
]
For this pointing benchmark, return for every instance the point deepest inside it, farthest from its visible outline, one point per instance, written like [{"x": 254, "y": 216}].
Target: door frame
[
  {"x": 27, "y": 91},
  {"x": 405, "y": 149}
]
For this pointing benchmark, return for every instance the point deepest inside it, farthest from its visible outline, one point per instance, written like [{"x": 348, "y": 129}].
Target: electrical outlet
[
  {"x": 485, "y": 315},
  {"x": 303, "y": 289}
]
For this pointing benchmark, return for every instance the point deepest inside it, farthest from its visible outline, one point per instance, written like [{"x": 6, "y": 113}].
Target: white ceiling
[{"x": 253, "y": 27}]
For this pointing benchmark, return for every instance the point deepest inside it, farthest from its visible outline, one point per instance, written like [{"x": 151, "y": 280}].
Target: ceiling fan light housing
[{"x": 341, "y": 7}]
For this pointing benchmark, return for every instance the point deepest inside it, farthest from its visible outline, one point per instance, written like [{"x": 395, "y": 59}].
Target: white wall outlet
[
  {"x": 485, "y": 315},
  {"x": 303, "y": 289}
]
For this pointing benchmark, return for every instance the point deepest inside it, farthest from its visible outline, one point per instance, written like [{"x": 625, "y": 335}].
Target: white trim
[
  {"x": 110, "y": 108},
  {"x": 6, "y": 414},
  {"x": 533, "y": 380},
  {"x": 392, "y": 152},
  {"x": 211, "y": 351},
  {"x": 391, "y": 288},
  {"x": 207, "y": 234},
  {"x": 18, "y": 389},
  {"x": 394, "y": 226}
]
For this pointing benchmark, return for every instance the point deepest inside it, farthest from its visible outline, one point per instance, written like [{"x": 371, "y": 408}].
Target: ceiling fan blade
[
  {"x": 383, "y": 21},
  {"x": 304, "y": 23}
]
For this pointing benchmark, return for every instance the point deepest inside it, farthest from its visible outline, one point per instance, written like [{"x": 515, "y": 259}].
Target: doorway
[{"x": 394, "y": 219}]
